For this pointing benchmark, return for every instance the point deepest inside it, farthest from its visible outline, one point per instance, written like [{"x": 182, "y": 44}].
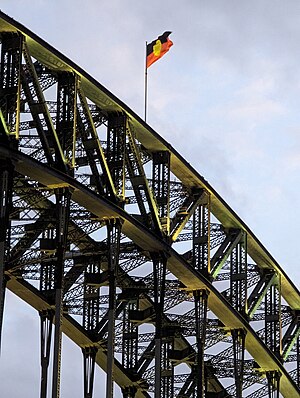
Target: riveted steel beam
[
  {"x": 161, "y": 187},
  {"x": 89, "y": 358},
  {"x": 6, "y": 185},
  {"x": 238, "y": 275},
  {"x": 46, "y": 318},
  {"x": 273, "y": 322},
  {"x": 63, "y": 197},
  {"x": 201, "y": 237},
  {"x": 94, "y": 150},
  {"x": 113, "y": 243},
  {"x": 10, "y": 84},
  {"x": 200, "y": 298},
  {"x": 258, "y": 293},
  {"x": 233, "y": 237},
  {"x": 291, "y": 335},
  {"x": 40, "y": 113},
  {"x": 238, "y": 341},
  {"x": 140, "y": 183},
  {"x": 185, "y": 212},
  {"x": 66, "y": 118},
  {"x": 273, "y": 378},
  {"x": 115, "y": 152}
]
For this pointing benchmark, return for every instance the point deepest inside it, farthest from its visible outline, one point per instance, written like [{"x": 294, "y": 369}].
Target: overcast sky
[{"x": 226, "y": 96}]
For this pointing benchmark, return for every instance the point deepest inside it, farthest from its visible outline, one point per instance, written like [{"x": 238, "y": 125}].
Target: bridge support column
[
  {"x": 63, "y": 198},
  {"x": 10, "y": 87},
  {"x": 238, "y": 275},
  {"x": 6, "y": 186},
  {"x": 163, "y": 342},
  {"x": 273, "y": 377},
  {"x": 113, "y": 243},
  {"x": 201, "y": 298},
  {"x": 90, "y": 319},
  {"x": 238, "y": 340},
  {"x": 130, "y": 336},
  {"x": 273, "y": 318},
  {"x": 201, "y": 235},
  {"x": 89, "y": 358},
  {"x": 161, "y": 187},
  {"x": 46, "y": 318}
]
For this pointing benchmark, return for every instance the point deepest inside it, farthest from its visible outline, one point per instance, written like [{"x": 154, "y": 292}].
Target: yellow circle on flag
[{"x": 157, "y": 48}]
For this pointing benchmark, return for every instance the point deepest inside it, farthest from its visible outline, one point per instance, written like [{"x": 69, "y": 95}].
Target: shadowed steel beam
[
  {"x": 273, "y": 378},
  {"x": 259, "y": 292},
  {"x": 113, "y": 242},
  {"x": 6, "y": 183},
  {"x": 46, "y": 317},
  {"x": 37, "y": 104},
  {"x": 185, "y": 212},
  {"x": 223, "y": 252},
  {"x": 10, "y": 85},
  {"x": 163, "y": 340},
  {"x": 139, "y": 181},
  {"x": 291, "y": 335},
  {"x": 161, "y": 187},
  {"x": 63, "y": 197},
  {"x": 200, "y": 298},
  {"x": 89, "y": 357},
  {"x": 238, "y": 341},
  {"x": 92, "y": 145},
  {"x": 201, "y": 237}
]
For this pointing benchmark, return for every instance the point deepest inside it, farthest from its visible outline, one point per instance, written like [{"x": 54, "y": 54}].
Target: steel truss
[{"x": 119, "y": 243}]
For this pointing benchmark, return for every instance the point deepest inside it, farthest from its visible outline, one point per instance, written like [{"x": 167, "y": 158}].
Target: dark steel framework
[{"x": 137, "y": 258}]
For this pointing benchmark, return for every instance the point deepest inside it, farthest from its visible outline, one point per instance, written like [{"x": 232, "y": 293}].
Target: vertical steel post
[
  {"x": 47, "y": 287},
  {"x": 6, "y": 191},
  {"x": 115, "y": 152},
  {"x": 66, "y": 118},
  {"x": 63, "y": 198},
  {"x": 200, "y": 299},
  {"x": 238, "y": 341},
  {"x": 89, "y": 355},
  {"x": 161, "y": 187},
  {"x": 10, "y": 82},
  {"x": 163, "y": 340},
  {"x": 238, "y": 275},
  {"x": 115, "y": 155},
  {"x": 130, "y": 337},
  {"x": 273, "y": 330},
  {"x": 113, "y": 243},
  {"x": 167, "y": 367},
  {"x": 273, "y": 377},
  {"x": 10, "y": 88},
  {"x": 90, "y": 319},
  {"x": 201, "y": 244},
  {"x": 46, "y": 317}
]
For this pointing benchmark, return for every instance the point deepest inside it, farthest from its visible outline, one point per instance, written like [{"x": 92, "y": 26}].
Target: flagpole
[{"x": 146, "y": 84}]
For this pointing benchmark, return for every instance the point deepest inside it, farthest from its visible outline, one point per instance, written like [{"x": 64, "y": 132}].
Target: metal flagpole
[{"x": 146, "y": 83}]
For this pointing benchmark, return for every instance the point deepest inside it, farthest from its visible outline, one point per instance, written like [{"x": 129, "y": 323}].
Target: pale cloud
[{"x": 255, "y": 110}]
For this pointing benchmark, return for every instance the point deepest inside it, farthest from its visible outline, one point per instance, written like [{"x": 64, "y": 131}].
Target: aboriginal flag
[{"x": 158, "y": 48}]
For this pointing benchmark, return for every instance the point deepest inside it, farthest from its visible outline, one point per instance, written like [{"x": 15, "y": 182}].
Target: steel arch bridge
[{"x": 120, "y": 244}]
